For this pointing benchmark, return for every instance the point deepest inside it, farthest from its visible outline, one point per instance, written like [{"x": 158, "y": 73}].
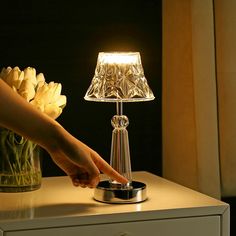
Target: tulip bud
[
  {"x": 14, "y": 77},
  {"x": 61, "y": 101},
  {"x": 40, "y": 77},
  {"x": 52, "y": 110},
  {"x": 43, "y": 94},
  {"x": 40, "y": 80},
  {"x": 37, "y": 104},
  {"x": 26, "y": 90},
  {"x": 5, "y": 72},
  {"x": 21, "y": 77},
  {"x": 56, "y": 91},
  {"x": 30, "y": 74}
]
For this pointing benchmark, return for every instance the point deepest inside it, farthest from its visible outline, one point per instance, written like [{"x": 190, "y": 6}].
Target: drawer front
[{"x": 194, "y": 226}]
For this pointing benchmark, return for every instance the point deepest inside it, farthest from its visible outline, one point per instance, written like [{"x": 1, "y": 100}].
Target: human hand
[{"x": 81, "y": 163}]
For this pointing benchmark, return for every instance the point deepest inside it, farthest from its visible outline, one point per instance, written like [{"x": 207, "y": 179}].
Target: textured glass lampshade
[{"x": 119, "y": 76}]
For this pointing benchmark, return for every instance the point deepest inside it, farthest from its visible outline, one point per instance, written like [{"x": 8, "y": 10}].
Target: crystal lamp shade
[{"x": 119, "y": 76}]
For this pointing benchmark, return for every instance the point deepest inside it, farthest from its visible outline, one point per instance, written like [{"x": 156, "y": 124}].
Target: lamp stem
[
  {"x": 119, "y": 108},
  {"x": 120, "y": 154}
]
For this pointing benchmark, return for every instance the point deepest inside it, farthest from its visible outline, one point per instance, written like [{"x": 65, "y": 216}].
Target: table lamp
[{"x": 119, "y": 77}]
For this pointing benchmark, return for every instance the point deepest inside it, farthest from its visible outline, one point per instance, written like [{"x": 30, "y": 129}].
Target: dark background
[{"x": 62, "y": 39}]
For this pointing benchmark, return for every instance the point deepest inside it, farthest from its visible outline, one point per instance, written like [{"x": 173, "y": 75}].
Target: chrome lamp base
[{"x": 108, "y": 193}]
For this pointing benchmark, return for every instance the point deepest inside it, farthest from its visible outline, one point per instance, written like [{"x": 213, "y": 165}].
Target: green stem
[{"x": 17, "y": 159}]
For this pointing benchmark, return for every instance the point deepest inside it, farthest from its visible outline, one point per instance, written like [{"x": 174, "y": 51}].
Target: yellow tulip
[
  {"x": 40, "y": 80},
  {"x": 52, "y": 110},
  {"x": 48, "y": 99},
  {"x": 30, "y": 74},
  {"x": 5, "y": 72},
  {"x": 26, "y": 89}
]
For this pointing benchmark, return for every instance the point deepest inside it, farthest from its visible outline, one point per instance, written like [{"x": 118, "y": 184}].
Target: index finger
[{"x": 103, "y": 166}]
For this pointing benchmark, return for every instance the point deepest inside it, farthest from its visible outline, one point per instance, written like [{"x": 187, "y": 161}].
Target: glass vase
[{"x": 20, "y": 169}]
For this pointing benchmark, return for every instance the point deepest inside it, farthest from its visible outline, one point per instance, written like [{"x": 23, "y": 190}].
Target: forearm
[
  {"x": 78, "y": 160},
  {"x": 20, "y": 116}
]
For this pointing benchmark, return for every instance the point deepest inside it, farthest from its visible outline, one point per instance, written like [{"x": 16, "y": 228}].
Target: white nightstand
[{"x": 59, "y": 209}]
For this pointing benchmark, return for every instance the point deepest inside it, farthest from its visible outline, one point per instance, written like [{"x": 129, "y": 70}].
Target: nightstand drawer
[{"x": 194, "y": 226}]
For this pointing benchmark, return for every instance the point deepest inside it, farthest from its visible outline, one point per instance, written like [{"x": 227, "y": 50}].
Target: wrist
[{"x": 52, "y": 137}]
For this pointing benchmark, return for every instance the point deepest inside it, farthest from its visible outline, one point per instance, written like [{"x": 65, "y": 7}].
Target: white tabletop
[{"x": 59, "y": 203}]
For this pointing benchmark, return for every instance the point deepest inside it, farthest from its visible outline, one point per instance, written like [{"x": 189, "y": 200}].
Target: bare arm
[{"x": 79, "y": 161}]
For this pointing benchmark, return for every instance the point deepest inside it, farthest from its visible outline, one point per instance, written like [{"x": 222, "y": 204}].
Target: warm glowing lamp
[{"x": 119, "y": 77}]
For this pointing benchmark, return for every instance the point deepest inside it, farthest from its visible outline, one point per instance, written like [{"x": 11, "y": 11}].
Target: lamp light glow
[{"x": 119, "y": 58}]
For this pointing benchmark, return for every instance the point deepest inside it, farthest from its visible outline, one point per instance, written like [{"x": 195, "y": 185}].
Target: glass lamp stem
[
  {"x": 119, "y": 108},
  {"x": 120, "y": 154}
]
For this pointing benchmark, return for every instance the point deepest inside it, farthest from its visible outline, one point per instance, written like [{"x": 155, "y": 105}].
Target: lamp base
[{"x": 105, "y": 192}]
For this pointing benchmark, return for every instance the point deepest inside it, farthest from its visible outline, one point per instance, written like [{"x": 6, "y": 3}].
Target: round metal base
[{"x": 107, "y": 193}]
